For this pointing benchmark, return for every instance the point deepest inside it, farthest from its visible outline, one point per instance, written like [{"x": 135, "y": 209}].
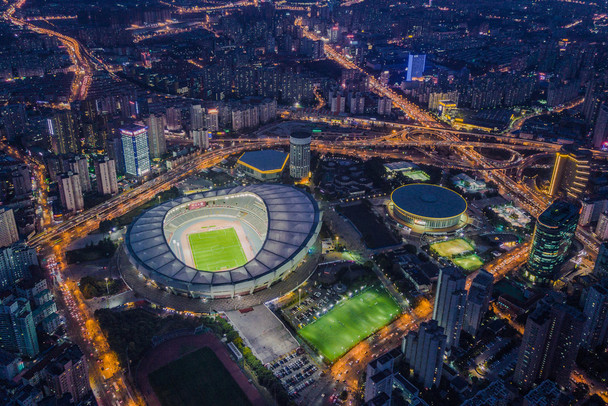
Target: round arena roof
[
  {"x": 429, "y": 201},
  {"x": 293, "y": 223}
]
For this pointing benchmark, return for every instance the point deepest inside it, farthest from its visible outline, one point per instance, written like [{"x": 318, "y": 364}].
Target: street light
[
  {"x": 107, "y": 288},
  {"x": 299, "y": 296}
]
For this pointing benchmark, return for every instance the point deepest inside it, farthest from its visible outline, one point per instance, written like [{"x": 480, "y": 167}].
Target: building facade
[
  {"x": 299, "y": 154},
  {"x": 105, "y": 173},
  {"x": 570, "y": 172},
  {"x": 8, "y": 228},
  {"x": 423, "y": 351},
  {"x": 70, "y": 192},
  {"x": 135, "y": 150},
  {"x": 450, "y": 301}
]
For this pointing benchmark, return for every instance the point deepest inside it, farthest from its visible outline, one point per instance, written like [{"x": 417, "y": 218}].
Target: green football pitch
[
  {"x": 197, "y": 379},
  {"x": 216, "y": 250},
  {"x": 453, "y": 247},
  {"x": 468, "y": 262},
  {"x": 349, "y": 322}
]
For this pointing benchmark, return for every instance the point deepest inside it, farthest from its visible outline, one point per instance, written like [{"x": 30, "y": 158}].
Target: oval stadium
[
  {"x": 428, "y": 206},
  {"x": 224, "y": 243}
]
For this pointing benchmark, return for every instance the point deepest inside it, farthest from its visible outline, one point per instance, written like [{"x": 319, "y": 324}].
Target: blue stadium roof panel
[{"x": 265, "y": 160}]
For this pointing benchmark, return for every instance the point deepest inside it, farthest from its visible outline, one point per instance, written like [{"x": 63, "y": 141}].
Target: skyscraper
[
  {"x": 135, "y": 150},
  {"x": 68, "y": 373},
  {"x": 600, "y": 269},
  {"x": 550, "y": 343},
  {"x": 63, "y": 133},
  {"x": 174, "y": 119},
  {"x": 570, "y": 172},
  {"x": 17, "y": 328},
  {"x": 423, "y": 351},
  {"x": 22, "y": 180},
  {"x": 15, "y": 262},
  {"x": 600, "y": 130},
  {"x": 201, "y": 138},
  {"x": 105, "y": 172},
  {"x": 80, "y": 165},
  {"x": 552, "y": 237},
  {"x": 8, "y": 228},
  {"x": 415, "y": 66},
  {"x": 595, "y": 332},
  {"x": 450, "y": 301},
  {"x": 478, "y": 301},
  {"x": 157, "y": 142},
  {"x": 299, "y": 154},
  {"x": 70, "y": 192}
]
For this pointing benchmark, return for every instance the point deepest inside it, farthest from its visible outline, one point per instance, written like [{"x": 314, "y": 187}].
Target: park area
[
  {"x": 350, "y": 321},
  {"x": 198, "y": 378},
  {"x": 460, "y": 252},
  {"x": 216, "y": 250}
]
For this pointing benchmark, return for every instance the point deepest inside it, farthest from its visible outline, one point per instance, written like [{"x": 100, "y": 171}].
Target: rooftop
[
  {"x": 430, "y": 201},
  {"x": 264, "y": 160}
]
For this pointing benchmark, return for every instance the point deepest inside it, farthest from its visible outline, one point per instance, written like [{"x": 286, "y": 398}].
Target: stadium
[
  {"x": 428, "y": 206},
  {"x": 224, "y": 243}
]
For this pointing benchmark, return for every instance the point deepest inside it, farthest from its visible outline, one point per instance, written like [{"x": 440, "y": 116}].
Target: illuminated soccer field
[
  {"x": 468, "y": 262},
  {"x": 450, "y": 248},
  {"x": 216, "y": 250},
  {"x": 349, "y": 322}
]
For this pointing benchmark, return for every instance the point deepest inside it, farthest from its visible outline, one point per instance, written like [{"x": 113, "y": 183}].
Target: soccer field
[
  {"x": 197, "y": 379},
  {"x": 453, "y": 247},
  {"x": 468, "y": 262},
  {"x": 216, "y": 250},
  {"x": 349, "y": 322}
]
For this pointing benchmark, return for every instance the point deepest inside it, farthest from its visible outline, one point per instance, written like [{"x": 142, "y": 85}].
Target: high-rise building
[
  {"x": 595, "y": 332},
  {"x": 174, "y": 119},
  {"x": 197, "y": 117},
  {"x": 450, "y": 301},
  {"x": 105, "y": 173},
  {"x": 415, "y": 66},
  {"x": 22, "y": 180},
  {"x": 80, "y": 165},
  {"x": 64, "y": 133},
  {"x": 15, "y": 262},
  {"x": 600, "y": 269},
  {"x": 570, "y": 172},
  {"x": 601, "y": 229},
  {"x": 201, "y": 138},
  {"x": 423, "y": 351},
  {"x": 8, "y": 228},
  {"x": 68, "y": 373},
  {"x": 385, "y": 106},
  {"x": 17, "y": 328},
  {"x": 550, "y": 343},
  {"x": 70, "y": 192},
  {"x": 600, "y": 130},
  {"x": 157, "y": 142},
  {"x": 379, "y": 376},
  {"x": 478, "y": 300},
  {"x": 552, "y": 238},
  {"x": 299, "y": 154},
  {"x": 135, "y": 150}
]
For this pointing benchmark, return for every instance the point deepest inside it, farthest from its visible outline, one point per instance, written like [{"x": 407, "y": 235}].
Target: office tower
[
  {"x": 197, "y": 117},
  {"x": 415, "y": 66},
  {"x": 550, "y": 343},
  {"x": 570, "y": 172},
  {"x": 70, "y": 192},
  {"x": 299, "y": 154},
  {"x": 15, "y": 262},
  {"x": 174, "y": 119},
  {"x": 8, "y": 228},
  {"x": 552, "y": 237},
  {"x": 595, "y": 332},
  {"x": 135, "y": 150},
  {"x": 64, "y": 133},
  {"x": 22, "y": 180},
  {"x": 157, "y": 142},
  {"x": 115, "y": 153},
  {"x": 601, "y": 229},
  {"x": 211, "y": 120},
  {"x": 423, "y": 351},
  {"x": 600, "y": 269},
  {"x": 201, "y": 138},
  {"x": 80, "y": 165},
  {"x": 600, "y": 130},
  {"x": 17, "y": 328},
  {"x": 105, "y": 172},
  {"x": 478, "y": 301},
  {"x": 450, "y": 301},
  {"x": 68, "y": 373},
  {"x": 385, "y": 106}
]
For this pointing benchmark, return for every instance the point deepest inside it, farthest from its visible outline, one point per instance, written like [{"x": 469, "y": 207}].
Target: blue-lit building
[
  {"x": 415, "y": 66},
  {"x": 552, "y": 238},
  {"x": 135, "y": 150}
]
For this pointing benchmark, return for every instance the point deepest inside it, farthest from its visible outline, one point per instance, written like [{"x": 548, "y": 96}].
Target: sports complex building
[
  {"x": 427, "y": 206},
  {"x": 224, "y": 243}
]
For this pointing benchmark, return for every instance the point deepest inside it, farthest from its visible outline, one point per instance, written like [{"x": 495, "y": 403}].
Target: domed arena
[{"x": 224, "y": 243}]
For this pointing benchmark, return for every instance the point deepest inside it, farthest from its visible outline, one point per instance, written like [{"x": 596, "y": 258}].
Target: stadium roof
[
  {"x": 429, "y": 201},
  {"x": 265, "y": 160},
  {"x": 293, "y": 219}
]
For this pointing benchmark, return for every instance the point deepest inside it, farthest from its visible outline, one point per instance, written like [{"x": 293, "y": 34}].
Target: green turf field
[
  {"x": 197, "y": 379},
  {"x": 417, "y": 175},
  {"x": 349, "y": 322},
  {"x": 216, "y": 250},
  {"x": 468, "y": 262},
  {"x": 453, "y": 247}
]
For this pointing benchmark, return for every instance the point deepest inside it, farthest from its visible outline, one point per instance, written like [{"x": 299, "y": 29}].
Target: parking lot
[{"x": 295, "y": 371}]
